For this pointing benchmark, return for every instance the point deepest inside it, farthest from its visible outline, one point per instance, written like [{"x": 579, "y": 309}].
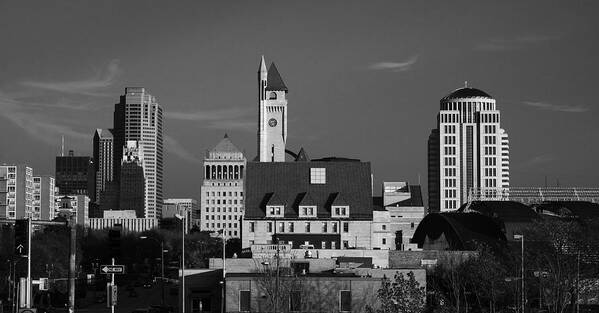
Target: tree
[{"x": 402, "y": 295}]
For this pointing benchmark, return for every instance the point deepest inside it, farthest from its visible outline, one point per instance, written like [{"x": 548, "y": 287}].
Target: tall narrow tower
[{"x": 272, "y": 119}]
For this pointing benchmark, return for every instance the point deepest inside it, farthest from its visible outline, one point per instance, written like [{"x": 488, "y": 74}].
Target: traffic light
[
  {"x": 21, "y": 237},
  {"x": 114, "y": 242}
]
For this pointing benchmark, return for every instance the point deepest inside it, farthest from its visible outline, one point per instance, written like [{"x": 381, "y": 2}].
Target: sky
[{"x": 364, "y": 77}]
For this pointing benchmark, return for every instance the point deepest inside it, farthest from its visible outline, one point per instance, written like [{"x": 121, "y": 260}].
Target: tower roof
[
  {"x": 262, "y": 67},
  {"x": 467, "y": 92},
  {"x": 225, "y": 145},
  {"x": 275, "y": 82}
]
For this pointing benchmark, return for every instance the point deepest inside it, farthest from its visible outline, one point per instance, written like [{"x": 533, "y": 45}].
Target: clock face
[{"x": 272, "y": 122}]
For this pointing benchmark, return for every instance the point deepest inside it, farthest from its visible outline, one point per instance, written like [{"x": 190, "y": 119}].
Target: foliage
[{"x": 402, "y": 295}]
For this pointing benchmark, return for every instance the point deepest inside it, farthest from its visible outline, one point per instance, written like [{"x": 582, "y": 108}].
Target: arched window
[{"x": 272, "y": 96}]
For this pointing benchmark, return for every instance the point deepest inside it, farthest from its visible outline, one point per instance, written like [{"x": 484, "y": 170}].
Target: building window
[
  {"x": 340, "y": 211},
  {"x": 323, "y": 245},
  {"x": 345, "y": 244},
  {"x": 281, "y": 227},
  {"x": 244, "y": 301},
  {"x": 384, "y": 227},
  {"x": 318, "y": 176},
  {"x": 345, "y": 301},
  {"x": 334, "y": 227},
  {"x": 325, "y": 227},
  {"x": 307, "y": 211},
  {"x": 307, "y": 227},
  {"x": 412, "y": 225},
  {"x": 345, "y": 227},
  {"x": 384, "y": 241},
  {"x": 291, "y": 227},
  {"x": 275, "y": 211},
  {"x": 199, "y": 305},
  {"x": 269, "y": 227}
]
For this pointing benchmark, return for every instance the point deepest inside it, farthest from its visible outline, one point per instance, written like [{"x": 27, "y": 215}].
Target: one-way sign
[{"x": 113, "y": 269}]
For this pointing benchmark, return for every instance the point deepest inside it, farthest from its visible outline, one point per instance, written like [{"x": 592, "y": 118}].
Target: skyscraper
[
  {"x": 75, "y": 175},
  {"x": 138, "y": 117},
  {"x": 103, "y": 161},
  {"x": 272, "y": 118},
  {"x": 468, "y": 149},
  {"x": 222, "y": 189}
]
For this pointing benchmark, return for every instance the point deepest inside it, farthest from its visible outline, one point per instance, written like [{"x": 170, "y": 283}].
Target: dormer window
[
  {"x": 272, "y": 96},
  {"x": 274, "y": 211},
  {"x": 340, "y": 211},
  {"x": 307, "y": 211},
  {"x": 318, "y": 176}
]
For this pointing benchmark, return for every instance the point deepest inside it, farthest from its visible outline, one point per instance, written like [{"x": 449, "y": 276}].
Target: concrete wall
[{"x": 413, "y": 259}]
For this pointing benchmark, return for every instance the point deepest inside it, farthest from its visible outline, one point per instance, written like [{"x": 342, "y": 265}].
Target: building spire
[
  {"x": 262, "y": 68},
  {"x": 465, "y": 84}
]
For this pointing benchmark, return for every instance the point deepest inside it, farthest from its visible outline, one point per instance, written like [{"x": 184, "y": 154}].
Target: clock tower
[{"x": 272, "y": 119}]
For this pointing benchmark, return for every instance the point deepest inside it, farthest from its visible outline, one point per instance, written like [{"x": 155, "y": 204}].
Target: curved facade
[{"x": 468, "y": 149}]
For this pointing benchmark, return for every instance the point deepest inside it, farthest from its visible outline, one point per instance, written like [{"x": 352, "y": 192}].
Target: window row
[
  {"x": 212, "y": 210},
  {"x": 223, "y": 201},
  {"x": 290, "y": 227},
  {"x": 223, "y": 172}
]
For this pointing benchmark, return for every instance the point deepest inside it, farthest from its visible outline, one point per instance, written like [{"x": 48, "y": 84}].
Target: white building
[
  {"x": 468, "y": 149},
  {"x": 16, "y": 191},
  {"x": 272, "y": 120},
  {"x": 396, "y": 216},
  {"x": 68, "y": 206},
  {"x": 221, "y": 205},
  {"x": 44, "y": 198},
  {"x": 184, "y": 207},
  {"x": 138, "y": 117}
]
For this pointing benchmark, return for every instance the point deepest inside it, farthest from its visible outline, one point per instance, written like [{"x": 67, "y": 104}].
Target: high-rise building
[
  {"x": 184, "y": 207},
  {"x": 16, "y": 191},
  {"x": 138, "y": 117},
  {"x": 132, "y": 182},
  {"x": 75, "y": 175},
  {"x": 104, "y": 150},
  {"x": 272, "y": 119},
  {"x": 468, "y": 149},
  {"x": 44, "y": 198},
  {"x": 222, "y": 189}
]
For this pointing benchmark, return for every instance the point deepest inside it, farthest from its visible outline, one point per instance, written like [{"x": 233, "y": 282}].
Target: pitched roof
[
  {"x": 302, "y": 156},
  {"x": 290, "y": 182},
  {"x": 225, "y": 145},
  {"x": 104, "y": 133},
  {"x": 275, "y": 82}
]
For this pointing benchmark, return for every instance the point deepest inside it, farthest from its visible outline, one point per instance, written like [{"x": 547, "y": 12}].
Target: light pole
[
  {"x": 222, "y": 307},
  {"x": 182, "y": 218},
  {"x": 161, "y": 242},
  {"x": 521, "y": 238}
]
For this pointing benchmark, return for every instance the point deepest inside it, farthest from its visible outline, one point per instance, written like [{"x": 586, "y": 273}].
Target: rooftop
[{"x": 466, "y": 92}]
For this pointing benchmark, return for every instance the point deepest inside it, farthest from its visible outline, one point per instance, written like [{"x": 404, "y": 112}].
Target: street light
[
  {"x": 182, "y": 218},
  {"x": 222, "y": 307},
  {"x": 521, "y": 238},
  {"x": 161, "y": 242}
]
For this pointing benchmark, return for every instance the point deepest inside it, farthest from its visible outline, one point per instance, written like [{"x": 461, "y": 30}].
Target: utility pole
[
  {"x": 28, "y": 292},
  {"x": 72, "y": 265},
  {"x": 224, "y": 274}
]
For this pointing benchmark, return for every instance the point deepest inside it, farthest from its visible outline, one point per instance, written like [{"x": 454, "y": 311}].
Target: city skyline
[{"x": 377, "y": 105}]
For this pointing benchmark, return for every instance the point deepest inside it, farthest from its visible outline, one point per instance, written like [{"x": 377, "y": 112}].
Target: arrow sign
[
  {"x": 20, "y": 249},
  {"x": 113, "y": 269}
]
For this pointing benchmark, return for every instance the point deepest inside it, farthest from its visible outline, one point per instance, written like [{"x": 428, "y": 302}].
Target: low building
[
  {"x": 184, "y": 207},
  {"x": 126, "y": 219},
  {"x": 323, "y": 204},
  {"x": 74, "y": 205},
  {"x": 396, "y": 216}
]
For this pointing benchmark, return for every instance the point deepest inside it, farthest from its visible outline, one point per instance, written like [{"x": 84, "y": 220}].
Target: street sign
[
  {"x": 21, "y": 237},
  {"x": 113, "y": 269}
]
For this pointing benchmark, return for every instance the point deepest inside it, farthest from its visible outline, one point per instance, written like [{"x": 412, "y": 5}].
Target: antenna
[
  {"x": 418, "y": 179},
  {"x": 62, "y": 146},
  {"x": 465, "y": 84}
]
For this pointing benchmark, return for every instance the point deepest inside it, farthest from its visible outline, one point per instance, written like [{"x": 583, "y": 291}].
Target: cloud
[
  {"x": 228, "y": 118},
  {"x": 540, "y": 159},
  {"x": 37, "y": 124},
  {"x": 557, "y": 107},
  {"x": 515, "y": 43},
  {"x": 89, "y": 87},
  {"x": 394, "y": 66},
  {"x": 174, "y": 147}
]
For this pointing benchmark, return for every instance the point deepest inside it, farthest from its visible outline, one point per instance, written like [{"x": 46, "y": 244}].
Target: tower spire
[
  {"x": 465, "y": 84},
  {"x": 262, "y": 68}
]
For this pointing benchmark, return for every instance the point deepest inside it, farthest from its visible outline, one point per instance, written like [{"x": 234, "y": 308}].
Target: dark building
[
  {"x": 75, "y": 175},
  {"x": 132, "y": 182},
  {"x": 326, "y": 203},
  {"x": 434, "y": 174}
]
